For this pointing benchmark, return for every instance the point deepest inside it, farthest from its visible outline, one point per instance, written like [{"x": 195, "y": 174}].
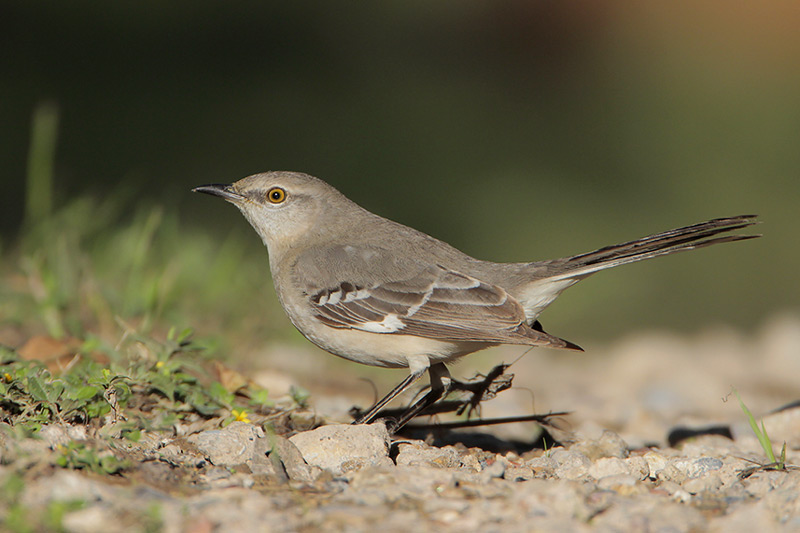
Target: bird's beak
[{"x": 225, "y": 192}]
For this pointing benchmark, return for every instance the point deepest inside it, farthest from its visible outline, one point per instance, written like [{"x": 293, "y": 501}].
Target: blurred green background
[{"x": 514, "y": 130}]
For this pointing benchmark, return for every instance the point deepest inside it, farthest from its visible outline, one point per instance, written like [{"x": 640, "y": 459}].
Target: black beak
[{"x": 225, "y": 192}]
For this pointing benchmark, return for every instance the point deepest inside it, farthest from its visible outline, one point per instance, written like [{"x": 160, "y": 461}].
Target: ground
[{"x": 655, "y": 440}]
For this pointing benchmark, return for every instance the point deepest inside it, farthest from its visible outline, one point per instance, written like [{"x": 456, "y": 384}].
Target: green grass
[
  {"x": 772, "y": 463},
  {"x": 113, "y": 289},
  {"x": 140, "y": 384}
]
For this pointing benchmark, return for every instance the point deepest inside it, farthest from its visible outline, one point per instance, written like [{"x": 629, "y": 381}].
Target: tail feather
[{"x": 676, "y": 240}]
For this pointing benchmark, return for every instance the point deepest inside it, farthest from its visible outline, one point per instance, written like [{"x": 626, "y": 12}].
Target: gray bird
[{"x": 380, "y": 293}]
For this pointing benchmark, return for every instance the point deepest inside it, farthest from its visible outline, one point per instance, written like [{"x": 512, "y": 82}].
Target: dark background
[{"x": 514, "y": 130}]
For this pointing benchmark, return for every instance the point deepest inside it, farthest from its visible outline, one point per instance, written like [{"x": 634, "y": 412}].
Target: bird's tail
[
  {"x": 550, "y": 278},
  {"x": 676, "y": 240}
]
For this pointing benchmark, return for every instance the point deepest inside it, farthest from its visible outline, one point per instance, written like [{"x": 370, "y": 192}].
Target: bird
[{"x": 380, "y": 293}]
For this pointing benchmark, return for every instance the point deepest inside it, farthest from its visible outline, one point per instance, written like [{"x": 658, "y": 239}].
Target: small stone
[
  {"x": 90, "y": 520},
  {"x": 420, "y": 454},
  {"x": 518, "y": 473},
  {"x": 341, "y": 448},
  {"x": 638, "y": 466},
  {"x": 292, "y": 461},
  {"x": 493, "y": 469},
  {"x": 231, "y": 446},
  {"x": 608, "y": 466},
  {"x": 671, "y": 473},
  {"x": 702, "y": 484},
  {"x": 693, "y": 468},
  {"x": 622, "y": 484},
  {"x": 761, "y": 483},
  {"x": 609, "y": 444},
  {"x": 655, "y": 463},
  {"x": 215, "y": 474},
  {"x": 571, "y": 465},
  {"x": 675, "y": 491},
  {"x": 542, "y": 466},
  {"x": 470, "y": 461},
  {"x": 54, "y": 435}
]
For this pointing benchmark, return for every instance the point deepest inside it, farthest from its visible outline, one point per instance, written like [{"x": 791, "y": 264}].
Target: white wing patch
[{"x": 390, "y": 324}]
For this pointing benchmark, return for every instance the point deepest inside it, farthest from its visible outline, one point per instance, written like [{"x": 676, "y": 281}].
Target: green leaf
[
  {"x": 184, "y": 335},
  {"x": 56, "y": 390},
  {"x": 762, "y": 437},
  {"x": 36, "y": 389},
  {"x": 86, "y": 393}
]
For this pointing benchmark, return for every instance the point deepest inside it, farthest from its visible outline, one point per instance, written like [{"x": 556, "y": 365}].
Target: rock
[
  {"x": 622, "y": 484},
  {"x": 494, "y": 469},
  {"x": 57, "y": 435},
  {"x": 648, "y": 514},
  {"x": 95, "y": 519},
  {"x": 231, "y": 446},
  {"x": 671, "y": 473},
  {"x": 292, "y": 461},
  {"x": 608, "y": 445},
  {"x": 571, "y": 465},
  {"x": 342, "y": 448},
  {"x": 377, "y": 486},
  {"x": 471, "y": 462},
  {"x": 608, "y": 466},
  {"x": 543, "y": 466},
  {"x": 655, "y": 463},
  {"x": 68, "y": 485},
  {"x": 763, "y": 482},
  {"x": 638, "y": 466},
  {"x": 417, "y": 453},
  {"x": 518, "y": 473},
  {"x": 705, "y": 483},
  {"x": 784, "y": 502},
  {"x": 693, "y": 468}
]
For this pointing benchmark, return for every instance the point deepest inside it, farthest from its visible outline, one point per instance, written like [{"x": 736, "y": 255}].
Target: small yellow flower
[
  {"x": 240, "y": 415},
  {"x": 160, "y": 364},
  {"x": 7, "y": 377}
]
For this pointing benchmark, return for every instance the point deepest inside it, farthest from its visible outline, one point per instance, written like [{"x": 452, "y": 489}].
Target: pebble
[
  {"x": 341, "y": 448},
  {"x": 623, "y": 484},
  {"x": 608, "y": 466},
  {"x": 292, "y": 461},
  {"x": 196, "y": 477},
  {"x": 638, "y": 466},
  {"x": 518, "y": 473},
  {"x": 418, "y": 453},
  {"x": 694, "y": 468},
  {"x": 230, "y": 446},
  {"x": 543, "y": 466},
  {"x": 571, "y": 465},
  {"x": 610, "y": 444},
  {"x": 655, "y": 463},
  {"x": 710, "y": 482}
]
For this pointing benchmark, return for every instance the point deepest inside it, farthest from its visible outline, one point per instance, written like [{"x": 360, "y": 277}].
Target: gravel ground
[{"x": 655, "y": 442}]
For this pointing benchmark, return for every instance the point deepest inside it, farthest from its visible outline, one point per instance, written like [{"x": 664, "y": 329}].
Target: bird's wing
[{"x": 416, "y": 299}]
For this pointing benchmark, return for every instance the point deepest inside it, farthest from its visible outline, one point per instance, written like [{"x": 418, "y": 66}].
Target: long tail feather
[{"x": 676, "y": 240}]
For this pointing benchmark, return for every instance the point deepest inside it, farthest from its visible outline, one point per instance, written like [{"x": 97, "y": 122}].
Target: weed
[{"x": 766, "y": 444}]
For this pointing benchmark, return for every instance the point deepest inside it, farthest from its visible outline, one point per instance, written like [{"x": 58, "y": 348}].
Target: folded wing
[{"x": 436, "y": 303}]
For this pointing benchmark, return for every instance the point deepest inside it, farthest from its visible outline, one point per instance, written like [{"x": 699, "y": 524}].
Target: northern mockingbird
[{"x": 380, "y": 293}]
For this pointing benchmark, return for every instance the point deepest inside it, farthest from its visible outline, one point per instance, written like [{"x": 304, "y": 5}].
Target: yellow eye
[{"x": 276, "y": 195}]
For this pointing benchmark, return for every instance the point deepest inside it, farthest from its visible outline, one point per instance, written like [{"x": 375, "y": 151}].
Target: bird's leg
[
  {"x": 369, "y": 416},
  {"x": 440, "y": 386}
]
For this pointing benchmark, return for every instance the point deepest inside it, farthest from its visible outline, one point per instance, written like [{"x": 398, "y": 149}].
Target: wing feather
[{"x": 437, "y": 303}]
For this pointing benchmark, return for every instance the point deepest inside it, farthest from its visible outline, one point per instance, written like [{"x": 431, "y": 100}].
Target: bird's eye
[{"x": 276, "y": 195}]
